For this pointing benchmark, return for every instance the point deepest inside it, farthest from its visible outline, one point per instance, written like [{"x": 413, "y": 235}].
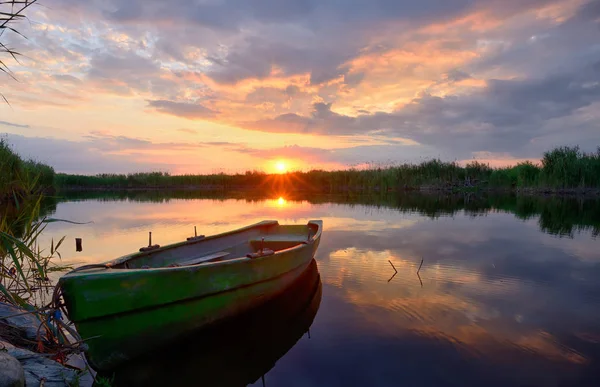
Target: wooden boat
[
  {"x": 132, "y": 304},
  {"x": 235, "y": 352}
]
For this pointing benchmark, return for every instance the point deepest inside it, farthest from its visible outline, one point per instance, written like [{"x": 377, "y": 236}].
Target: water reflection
[
  {"x": 237, "y": 352},
  {"x": 499, "y": 301},
  {"x": 563, "y": 216}
]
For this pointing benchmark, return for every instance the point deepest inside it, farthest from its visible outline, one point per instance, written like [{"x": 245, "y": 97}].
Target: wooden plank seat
[
  {"x": 281, "y": 238},
  {"x": 277, "y": 242}
]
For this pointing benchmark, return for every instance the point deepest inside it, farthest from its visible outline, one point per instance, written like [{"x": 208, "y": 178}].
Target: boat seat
[
  {"x": 204, "y": 258},
  {"x": 278, "y": 242}
]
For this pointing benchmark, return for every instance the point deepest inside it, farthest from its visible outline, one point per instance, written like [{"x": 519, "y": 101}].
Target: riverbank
[{"x": 21, "y": 360}]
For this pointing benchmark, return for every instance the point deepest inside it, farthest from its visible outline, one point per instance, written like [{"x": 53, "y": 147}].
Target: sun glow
[{"x": 280, "y": 166}]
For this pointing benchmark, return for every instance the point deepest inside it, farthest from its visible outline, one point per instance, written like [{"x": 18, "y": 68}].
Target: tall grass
[{"x": 24, "y": 265}]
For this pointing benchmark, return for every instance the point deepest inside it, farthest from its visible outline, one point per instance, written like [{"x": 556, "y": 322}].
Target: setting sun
[{"x": 280, "y": 166}]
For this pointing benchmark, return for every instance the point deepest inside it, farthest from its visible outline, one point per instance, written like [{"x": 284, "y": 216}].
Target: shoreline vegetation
[
  {"x": 564, "y": 170},
  {"x": 34, "y": 343},
  {"x": 19, "y": 178}
]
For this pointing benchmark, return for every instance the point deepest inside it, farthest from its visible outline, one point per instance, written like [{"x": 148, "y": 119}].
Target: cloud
[
  {"x": 457, "y": 78},
  {"x": 504, "y": 116},
  {"x": 123, "y": 71},
  {"x": 79, "y": 157},
  {"x": 6, "y": 123},
  {"x": 183, "y": 109},
  {"x": 354, "y": 156}
]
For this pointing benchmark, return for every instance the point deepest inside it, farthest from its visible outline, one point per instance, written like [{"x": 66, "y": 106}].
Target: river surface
[{"x": 508, "y": 293}]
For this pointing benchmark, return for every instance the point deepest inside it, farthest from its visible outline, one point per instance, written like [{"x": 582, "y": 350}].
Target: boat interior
[{"x": 264, "y": 238}]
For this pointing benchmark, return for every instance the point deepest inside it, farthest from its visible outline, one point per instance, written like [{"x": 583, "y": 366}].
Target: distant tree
[{"x": 11, "y": 11}]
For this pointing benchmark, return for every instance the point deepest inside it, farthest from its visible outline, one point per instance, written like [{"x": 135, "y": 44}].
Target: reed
[
  {"x": 24, "y": 265},
  {"x": 21, "y": 178},
  {"x": 11, "y": 12},
  {"x": 560, "y": 168}
]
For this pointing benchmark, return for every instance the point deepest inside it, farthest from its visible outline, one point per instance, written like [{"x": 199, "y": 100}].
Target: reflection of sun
[
  {"x": 280, "y": 166},
  {"x": 281, "y": 202}
]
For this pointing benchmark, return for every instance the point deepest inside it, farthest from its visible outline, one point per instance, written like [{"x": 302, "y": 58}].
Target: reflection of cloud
[
  {"x": 477, "y": 295},
  {"x": 470, "y": 324}
]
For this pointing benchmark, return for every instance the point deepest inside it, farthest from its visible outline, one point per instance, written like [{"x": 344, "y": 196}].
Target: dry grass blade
[{"x": 11, "y": 12}]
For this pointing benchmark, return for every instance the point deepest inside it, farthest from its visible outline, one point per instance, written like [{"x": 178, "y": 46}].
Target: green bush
[
  {"x": 19, "y": 178},
  {"x": 568, "y": 167}
]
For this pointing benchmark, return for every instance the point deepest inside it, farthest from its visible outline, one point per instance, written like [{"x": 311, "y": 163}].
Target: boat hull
[
  {"x": 173, "y": 302},
  {"x": 236, "y": 352}
]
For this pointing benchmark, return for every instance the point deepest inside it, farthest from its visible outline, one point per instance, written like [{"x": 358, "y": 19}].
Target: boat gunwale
[{"x": 110, "y": 270}]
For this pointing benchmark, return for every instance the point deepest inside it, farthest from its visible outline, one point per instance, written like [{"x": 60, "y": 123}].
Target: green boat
[
  {"x": 236, "y": 352},
  {"x": 128, "y": 306}
]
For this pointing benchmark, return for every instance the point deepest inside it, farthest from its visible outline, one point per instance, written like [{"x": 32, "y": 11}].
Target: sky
[{"x": 209, "y": 86}]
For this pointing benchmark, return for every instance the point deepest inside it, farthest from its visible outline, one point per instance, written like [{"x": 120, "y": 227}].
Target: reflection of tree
[{"x": 557, "y": 215}]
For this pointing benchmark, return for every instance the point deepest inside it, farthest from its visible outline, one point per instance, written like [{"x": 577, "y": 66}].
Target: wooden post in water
[{"x": 78, "y": 245}]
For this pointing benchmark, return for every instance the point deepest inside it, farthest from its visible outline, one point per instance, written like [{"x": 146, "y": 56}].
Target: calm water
[{"x": 508, "y": 294}]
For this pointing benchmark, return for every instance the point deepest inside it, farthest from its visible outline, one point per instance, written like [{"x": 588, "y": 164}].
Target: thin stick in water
[
  {"x": 392, "y": 277},
  {"x": 393, "y": 266},
  {"x": 420, "y": 266}
]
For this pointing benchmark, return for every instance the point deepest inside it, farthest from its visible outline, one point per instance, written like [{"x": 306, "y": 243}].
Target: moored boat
[
  {"x": 132, "y": 304},
  {"x": 235, "y": 352}
]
